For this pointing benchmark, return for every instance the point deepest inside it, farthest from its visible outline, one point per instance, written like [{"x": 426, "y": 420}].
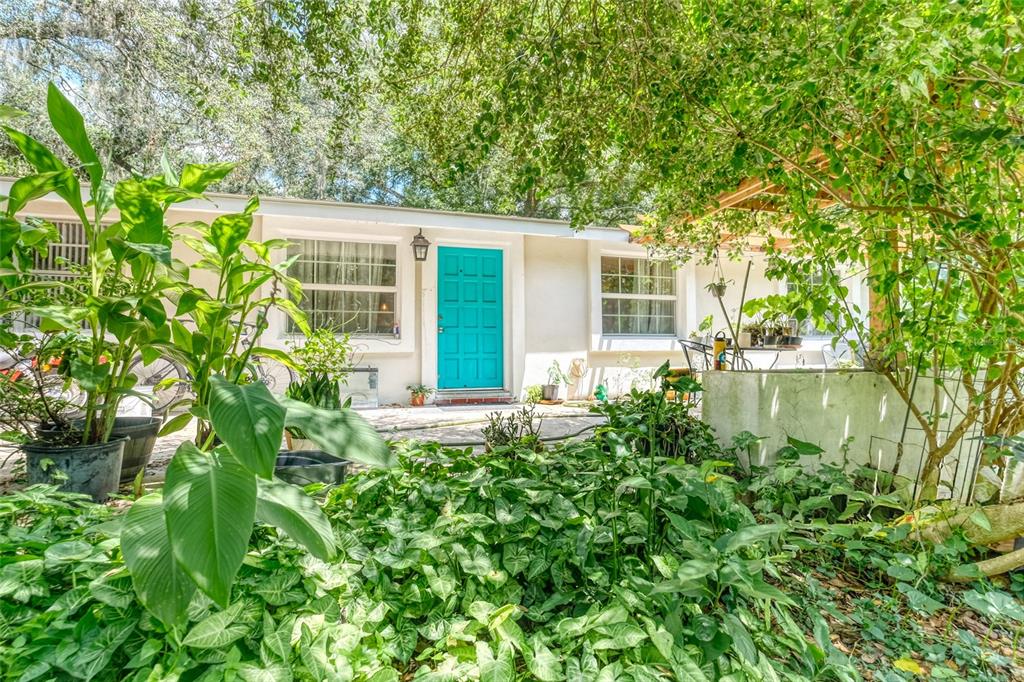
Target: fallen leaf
[{"x": 908, "y": 665}]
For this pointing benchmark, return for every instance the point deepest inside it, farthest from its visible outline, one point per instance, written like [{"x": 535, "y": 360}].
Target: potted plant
[
  {"x": 322, "y": 364},
  {"x": 774, "y": 332},
  {"x": 703, "y": 331},
  {"x": 114, "y": 309},
  {"x": 751, "y": 334},
  {"x": 718, "y": 287},
  {"x": 790, "y": 338},
  {"x": 556, "y": 376},
  {"x": 194, "y": 533},
  {"x": 418, "y": 394},
  {"x": 36, "y": 414}
]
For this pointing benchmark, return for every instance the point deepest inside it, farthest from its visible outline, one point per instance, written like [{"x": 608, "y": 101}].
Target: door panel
[{"x": 469, "y": 318}]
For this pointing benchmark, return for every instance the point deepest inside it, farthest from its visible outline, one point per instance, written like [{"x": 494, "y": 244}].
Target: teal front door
[{"x": 469, "y": 324}]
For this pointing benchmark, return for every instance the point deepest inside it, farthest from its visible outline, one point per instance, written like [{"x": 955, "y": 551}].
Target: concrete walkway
[
  {"x": 462, "y": 425},
  {"x": 458, "y": 426}
]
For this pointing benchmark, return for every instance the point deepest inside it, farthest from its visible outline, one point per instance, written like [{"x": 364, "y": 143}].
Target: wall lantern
[{"x": 420, "y": 244}]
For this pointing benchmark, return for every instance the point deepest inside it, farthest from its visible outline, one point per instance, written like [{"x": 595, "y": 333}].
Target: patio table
[{"x": 735, "y": 356}]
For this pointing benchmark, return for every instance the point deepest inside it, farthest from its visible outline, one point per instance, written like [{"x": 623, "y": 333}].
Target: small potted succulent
[
  {"x": 549, "y": 391},
  {"x": 419, "y": 394}
]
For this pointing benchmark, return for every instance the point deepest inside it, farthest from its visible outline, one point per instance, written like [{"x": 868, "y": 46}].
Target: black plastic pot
[
  {"x": 302, "y": 467},
  {"x": 141, "y": 433},
  {"x": 90, "y": 469}
]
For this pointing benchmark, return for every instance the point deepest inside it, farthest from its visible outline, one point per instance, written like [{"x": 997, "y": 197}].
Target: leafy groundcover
[{"x": 639, "y": 554}]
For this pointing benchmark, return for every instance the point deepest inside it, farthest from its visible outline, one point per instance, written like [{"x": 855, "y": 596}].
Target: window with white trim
[
  {"x": 348, "y": 286},
  {"x": 638, "y": 296}
]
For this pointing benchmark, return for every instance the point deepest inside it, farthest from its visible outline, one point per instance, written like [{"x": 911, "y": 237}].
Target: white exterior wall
[{"x": 552, "y": 291}]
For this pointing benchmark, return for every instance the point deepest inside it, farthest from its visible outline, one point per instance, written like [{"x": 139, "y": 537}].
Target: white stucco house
[{"x": 496, "y": 301}]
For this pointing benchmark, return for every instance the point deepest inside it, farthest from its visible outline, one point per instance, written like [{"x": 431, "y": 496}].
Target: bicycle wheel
[
  {"x": 271, "y": 373},
  {"x": 158, "y": 376}
]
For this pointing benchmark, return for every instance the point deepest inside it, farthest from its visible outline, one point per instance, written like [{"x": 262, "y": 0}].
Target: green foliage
[
  {"x": 513, "y": 430},
  {"x": 886, "y": 134},
  {"x": 647, "y": 423},
  {"x": 800, "y": 486},
  {"x": 323, "y": 364},
  {"x": 570, "y": 563},
  {"x": 534, "y": 394}
]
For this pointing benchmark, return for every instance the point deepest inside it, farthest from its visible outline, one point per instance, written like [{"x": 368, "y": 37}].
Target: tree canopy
[
  {"x": 883, "y": 137},
  {"x": 291, "y": 91}
]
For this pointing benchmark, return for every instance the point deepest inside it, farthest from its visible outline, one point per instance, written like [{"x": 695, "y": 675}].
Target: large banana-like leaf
[
  {"x": 71, "y": 127},
  {"x": 162, "y": 586},
  {"x": 285, "y": 506},
  {"x": 250, "y": 421},
  {"x": 342, "y": 433},
  {"x": 210, "y": 506}
]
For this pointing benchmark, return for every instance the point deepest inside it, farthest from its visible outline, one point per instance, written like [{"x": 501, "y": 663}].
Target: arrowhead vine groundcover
[{"x": 613, "y": 558}]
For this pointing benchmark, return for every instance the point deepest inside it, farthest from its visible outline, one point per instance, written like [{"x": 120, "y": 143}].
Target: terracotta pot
[{"x": 417, "y": 400}]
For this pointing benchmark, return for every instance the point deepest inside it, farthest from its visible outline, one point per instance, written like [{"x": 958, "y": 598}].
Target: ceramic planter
[
  {"x": 550, "y": 391},
  {"x": 94, "y": 470}
]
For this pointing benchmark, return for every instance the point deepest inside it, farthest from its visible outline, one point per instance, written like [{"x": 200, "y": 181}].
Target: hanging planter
[{"x": 719, "y": 285}]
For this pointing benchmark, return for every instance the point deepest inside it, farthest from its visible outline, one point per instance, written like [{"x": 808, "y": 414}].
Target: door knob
[{"x": 440, "y": 330}]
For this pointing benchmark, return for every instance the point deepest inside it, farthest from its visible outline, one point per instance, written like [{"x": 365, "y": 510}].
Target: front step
[{"x": 480, "y": 396}]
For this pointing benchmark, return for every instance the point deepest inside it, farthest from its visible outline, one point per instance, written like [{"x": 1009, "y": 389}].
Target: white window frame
[
  {"x": 362, "y": 288},
  {"x": 274, "y": 227},
  {"x": 618, "y": 343},
  {"x": 674, "y": 298}
]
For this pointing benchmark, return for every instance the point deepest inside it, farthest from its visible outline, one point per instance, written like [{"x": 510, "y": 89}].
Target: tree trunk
[{"x": 1005, "y": 521}]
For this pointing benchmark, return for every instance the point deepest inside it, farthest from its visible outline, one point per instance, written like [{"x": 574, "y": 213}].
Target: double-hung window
[
  {"x": 350, "y": 287},
  {"x": 638, "y": 296}
]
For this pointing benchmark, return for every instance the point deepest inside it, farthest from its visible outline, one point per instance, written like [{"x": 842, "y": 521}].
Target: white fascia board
[{"x": 370, "y": 214}]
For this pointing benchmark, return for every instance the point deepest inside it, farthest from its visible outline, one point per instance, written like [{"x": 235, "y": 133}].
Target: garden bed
[{"x": 615, "y": 558}]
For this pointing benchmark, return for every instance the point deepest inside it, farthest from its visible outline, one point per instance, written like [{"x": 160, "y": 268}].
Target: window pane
[
  {"x": 609, "y": 265},
  {"x": 344, "y": 263},
  {"x": 356, "y": 312},
  {"x": 637, "y": 276}
]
